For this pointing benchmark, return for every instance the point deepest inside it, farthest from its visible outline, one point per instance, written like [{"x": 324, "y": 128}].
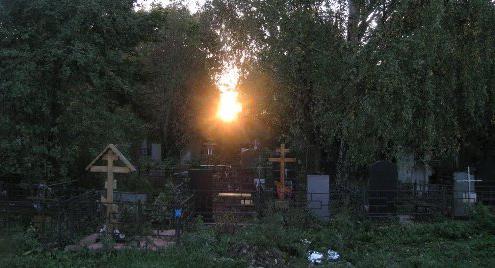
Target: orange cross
[{"x": 282, "y": 160}]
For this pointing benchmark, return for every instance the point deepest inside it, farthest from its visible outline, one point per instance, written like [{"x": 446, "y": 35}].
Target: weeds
[{"x": 283, "y": 240}]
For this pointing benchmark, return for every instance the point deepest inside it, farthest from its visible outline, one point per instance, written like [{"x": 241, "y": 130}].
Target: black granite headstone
[
  {"x": 486, "y": 186},
  {"x": 202, "y": 186},
  {"x": 382, "y": 188},
  {"x": 486, "y": 171}
]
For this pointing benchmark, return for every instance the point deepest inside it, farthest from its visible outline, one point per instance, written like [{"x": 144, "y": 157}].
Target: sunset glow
[{"x": 229, "y": 106}]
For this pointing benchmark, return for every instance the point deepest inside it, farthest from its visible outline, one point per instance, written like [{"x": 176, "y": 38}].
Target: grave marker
[
  {"x": 382, "y": 188},
  {"x": 282, "y": 160},
  {"x": 156, "y": 152},
  {"x": 318, "y": 195},
  {"x": 110, "y": 154},
  {"x": 464, "y": 192}
]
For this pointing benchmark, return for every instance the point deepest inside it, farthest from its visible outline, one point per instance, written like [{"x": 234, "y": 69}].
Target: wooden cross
[
  {"x": 110, "y": 154},
  {"x": 282, "y": 160}
]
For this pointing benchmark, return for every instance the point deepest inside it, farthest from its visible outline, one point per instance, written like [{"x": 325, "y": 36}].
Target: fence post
[{"x": 139, "y": 216}]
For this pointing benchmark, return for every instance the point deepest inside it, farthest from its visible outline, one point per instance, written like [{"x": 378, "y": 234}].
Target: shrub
[
  {"x": 20, "y": 241},
  {"x": 483, "y": 217}
]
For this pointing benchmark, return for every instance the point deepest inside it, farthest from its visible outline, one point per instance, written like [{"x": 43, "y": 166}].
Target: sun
[{"x": 229, "y": 106}]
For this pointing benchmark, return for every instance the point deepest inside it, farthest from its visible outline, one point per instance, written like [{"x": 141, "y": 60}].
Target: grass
[{"x": 278, "y": 241}]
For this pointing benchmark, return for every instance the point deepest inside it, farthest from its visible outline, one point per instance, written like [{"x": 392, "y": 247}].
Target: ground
[{"x": 282, "y": 240}]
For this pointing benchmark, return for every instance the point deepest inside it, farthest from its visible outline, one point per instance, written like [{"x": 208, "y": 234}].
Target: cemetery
[{"x": 234, "y": 133}]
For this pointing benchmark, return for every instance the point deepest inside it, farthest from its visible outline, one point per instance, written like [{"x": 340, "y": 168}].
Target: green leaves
[
  {"x": 66, "y": 81},
  {"x": 421, "y": 78}
]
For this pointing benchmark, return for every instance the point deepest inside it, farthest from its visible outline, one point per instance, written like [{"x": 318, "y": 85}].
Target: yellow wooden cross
[
  {"x": 282, "y": 160},
  {"x": 110, "y": 154}
]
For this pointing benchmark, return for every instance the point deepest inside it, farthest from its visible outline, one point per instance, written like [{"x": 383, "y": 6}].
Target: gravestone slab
[
  {"x": 318, "y": 195},
  {"x": 486, "y": 187},
  {"x": 156, "y": 152},
  {"x": 143, "y": 149},
  {"x": 382, "y": 188},
  {"x": 464, "y": 193},
  {"x": 486, "y": 171},
  {"x": 421, "y": 174},
  {"x": 405, "y": 166}
]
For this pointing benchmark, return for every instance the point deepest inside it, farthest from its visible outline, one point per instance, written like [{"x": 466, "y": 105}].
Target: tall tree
[
  {"x": 67, "y": 70},
  {"x": 178, "y": 66},
  {"x": 368, "y": 79}
]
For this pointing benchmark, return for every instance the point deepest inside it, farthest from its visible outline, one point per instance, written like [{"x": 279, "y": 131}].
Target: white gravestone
[{"x": 464, "y": 193}]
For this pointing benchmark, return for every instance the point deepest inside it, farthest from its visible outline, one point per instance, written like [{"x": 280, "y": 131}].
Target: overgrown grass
[{"x": 279, "y": 241}]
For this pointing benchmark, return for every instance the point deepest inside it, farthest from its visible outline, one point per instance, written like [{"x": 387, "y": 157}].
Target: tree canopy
[
  {"x": 384, "y": 77},
  {"x": 68, "y": 70},
  {"x": 362, "y": 80}
]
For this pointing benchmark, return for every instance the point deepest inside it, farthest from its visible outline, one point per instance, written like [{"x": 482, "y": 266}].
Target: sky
[{"x": 193, "y": 5}]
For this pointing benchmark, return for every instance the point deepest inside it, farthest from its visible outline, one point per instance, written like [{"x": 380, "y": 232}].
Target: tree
[
  {"x": 178, "y": 67},
  {"x": 367, "y": 79},
  {"x": 67, "y": 76}
]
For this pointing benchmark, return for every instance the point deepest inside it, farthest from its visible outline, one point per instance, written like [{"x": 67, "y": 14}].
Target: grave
[
  {"x": 209, "y": 154},
  {"x": 421, "y": 173},
  {"x": 151, "y": 150},
  {"x": 405, "y": 166},
  {"x": 156, "y": 152},
  {"x": 202, "y": 185},
  {"x": 464, "y": 192},
  {"x": 318, "y": 195},
  {"x": 191, "y": 153},
  {"x": 218, "y": 191},
  {"x": 110, "y": 154},
  {"x": 382, "y": 188},
  {"x": 282, "y": 189},
  {"x": 413, "y": 172},
  {"x": 486, "y": 187}
]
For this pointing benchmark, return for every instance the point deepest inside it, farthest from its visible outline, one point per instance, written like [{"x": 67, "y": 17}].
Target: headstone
[
  {"x": 156, "y": 152},
  {"x": 405, "y": 166},
  {"x": 420, "y": 177},
  {"x": 143, "y": 149},
  {"x": 486, "y": 171},
  {"x": 318, "y": 195},
  {"x": 202, "y": 184},
  {"x": 464, "y": 193},
  {"x": 382, "y": 188},
  {"x": 191, "y": 153},
  {"x": 209, "y": 153},
  {"x": 486, "y": 187},
  {"x": 249, "y": 157}
]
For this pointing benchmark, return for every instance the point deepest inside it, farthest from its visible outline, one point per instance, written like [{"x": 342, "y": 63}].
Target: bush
[
  {"x": 483, "y": 217},
  {"x": 19, "y": 241}
]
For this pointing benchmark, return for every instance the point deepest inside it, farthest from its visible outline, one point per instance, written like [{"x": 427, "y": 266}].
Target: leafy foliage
[
  {"x": 68, "y": 70},
  {"x": 366, "y": 84},
  {"x": 176, "y": 90}
]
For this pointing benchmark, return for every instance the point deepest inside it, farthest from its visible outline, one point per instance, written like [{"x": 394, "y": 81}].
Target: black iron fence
[{"x": 64, "y": 221}]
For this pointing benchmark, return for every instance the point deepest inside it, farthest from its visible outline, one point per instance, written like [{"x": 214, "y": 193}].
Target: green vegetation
[
  {"x": 354, "y": 80},
  {"x": 279, "y": 241},
  {"x": 76, "y": 75},
  {"x": 421, "y": 79}
]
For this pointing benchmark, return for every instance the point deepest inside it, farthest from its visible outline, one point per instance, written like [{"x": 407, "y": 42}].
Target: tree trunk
[
  {"x": 342, "y": 170},
  {"x": 352, "y": 22}
]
